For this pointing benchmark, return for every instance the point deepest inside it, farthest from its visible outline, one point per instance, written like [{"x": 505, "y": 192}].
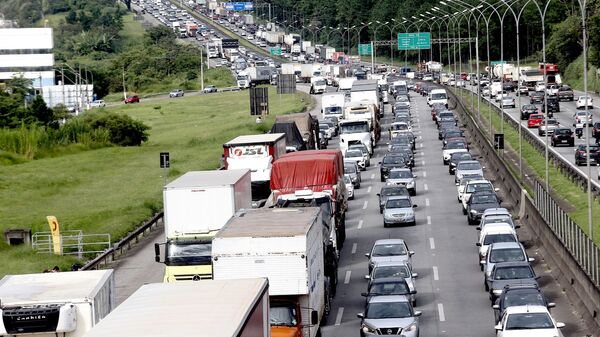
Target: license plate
[{"x": 564, "y": 141}]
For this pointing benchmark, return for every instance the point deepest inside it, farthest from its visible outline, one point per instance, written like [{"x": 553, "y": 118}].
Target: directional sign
[
  {"x": 365, "y": 49},
  {"x": 499, "y": 141},
  {"x": 414, "y": 41},
  {"x": 493, "y": 63},
  {"x": 239, "y": 6},
  {"x": 276, "y": 51},
  {"x": 230, "y": 43}
]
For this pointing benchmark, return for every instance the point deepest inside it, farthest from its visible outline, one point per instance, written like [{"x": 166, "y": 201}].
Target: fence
[
  {"x": 569, "y": 233},
  {"x": 72, "y": 242}
]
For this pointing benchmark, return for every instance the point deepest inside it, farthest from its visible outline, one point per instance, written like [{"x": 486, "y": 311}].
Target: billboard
[
  {"x": 230, "y": 43},
  {"x": 239, "y": 6}
]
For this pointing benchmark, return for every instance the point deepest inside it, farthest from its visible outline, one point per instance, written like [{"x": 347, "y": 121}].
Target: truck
[
  {"x": 191, "y": 29},
  {"x": 367, "y": 90},
  {"x": 259, "y": 75},
  {"x": 248, "y": 19},
  {"x": 293, "y": 138},
  {"x": 504, "y": 71},
  {"x": 308, "y": 126},
  {"x": 305, "y": 44},
  {"x": 230, "y": 308},
  {"x": 430, "y": 66},
  {"x": 332, "y": 105},
  {"x": 287, "y": 69},
  {"x": 530, "y": 76},
  {"x": 295, "y": 49},
  {"x": 364, "y": 110},
  {"x": 243, "y": 82},
  {"x": 355, "y": 132},
  {"x": 310, "y": 50},
  {"x": 345, "y": 84},
  {"x": 285, "y": 246},
  {"x": 318, "y": 85},
  {"x": 274, "y": 38},
  {"x": 256, "y": 153},
  {"x": 49, "y": 304},
  {"x": 326, "y": 52},
  {"x": 292, "y": 39},
  {"x": 308, "y": 71},
  {"x": 196, "y": 206},
  {"x": 338, "y": 57},
  {"x": 231, "y": 54}
]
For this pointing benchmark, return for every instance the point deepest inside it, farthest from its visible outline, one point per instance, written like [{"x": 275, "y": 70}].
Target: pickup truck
[
  {"x": 565, "y": 93},
  {"x": 552, "y": 90}
]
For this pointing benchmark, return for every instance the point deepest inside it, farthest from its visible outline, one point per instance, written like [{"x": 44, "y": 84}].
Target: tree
[
  {"x": 564, "y": 45},
  {"x": 159, "y": 35}
]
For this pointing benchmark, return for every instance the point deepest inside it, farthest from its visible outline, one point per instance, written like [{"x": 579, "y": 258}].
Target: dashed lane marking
[
  {"x": 369, "y": 189},
  {"x": 366, "y": 204},
  {"x": 347, "y": 278},
  {"x": 440, "y": 312},
  {"x": 431, "y": 243},
  {"x": 429, "y": 220},
  {"x": 354, "y": 246},
  {"x": 425, "y": 187},
  {"x": 424, "y": 174},
  {"x": 427, "y": 202},
  {"x": 338, "y": 318},
  {"x": 360, "y": 223}
]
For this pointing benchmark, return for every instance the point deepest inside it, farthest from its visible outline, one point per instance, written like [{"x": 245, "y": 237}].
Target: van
[{"x": 437, "y": 96}]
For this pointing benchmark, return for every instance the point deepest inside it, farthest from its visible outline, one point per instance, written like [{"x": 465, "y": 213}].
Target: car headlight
[
  {"x": 474, "y": 212},
  {"x": 410, "y": 184},
  {"x": 497, "y": 292},
  {"x": 412, "y": 327},
  {"x": 367, "y": 328}
]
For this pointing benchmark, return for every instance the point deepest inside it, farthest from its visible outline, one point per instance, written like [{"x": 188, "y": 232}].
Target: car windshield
[
  {"x": 536, "y": 117},
  {"x": 391, "y": 271},
  {"x": 388, "y": 310},
  {"x": 529, "y": 107},
  {"x": 438, "y": 96},
  {"x": 455, "y": 145},
  {"x": 394, "y": 191},
  {"x": 461, "y": 156},
  {"x": 350, "y": 169},
  {"x": 483, "y": 199},
  {"x": 552, "y": 122},
  {"x": 354, "y": 153},
  {"x": 532, "y": 320},
  {"x": 347, "y": 180},
  {"x": 494, "y": 238},
  {"x": 514, "y": 298},
  {"x": 401, "y": 174},
  {"x": 399, "y": 126},
  {"x": 506, "y": 255},
  {"x": 477, "y": 187},
  {"x": 393, "y": 160},
  {"x": 389, "y": 250},
  {"x": 397, "y": 203},
  {"x": 389, "y": 288},
  {"x": 513, "y": 273},
  {"x": 469, "y": 166},
  {"x": 323, "y": 127}
]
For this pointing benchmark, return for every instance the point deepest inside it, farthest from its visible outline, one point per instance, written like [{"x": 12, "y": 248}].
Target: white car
[
  {"x": 581, "y": 100},
  {"x": 475, "y": 186},
  {"x": 494, "y": 232},
  {"x": 540, "y": 86},
  {"x": 468, "y": 167},
  {"x": 579, "y": 118},
  {"x": 526, "y": 321},
  {"x": 349, "y": 186},
  {"x": 356, "y": 155},
  {"x": 507, "y": 102},
  {"x": 98, "y": 104}
]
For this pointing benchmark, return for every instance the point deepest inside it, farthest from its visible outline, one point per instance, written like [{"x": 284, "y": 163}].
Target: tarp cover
[
  {"x": 293, "y": 137},
  {"x": 316, "y": 170}
]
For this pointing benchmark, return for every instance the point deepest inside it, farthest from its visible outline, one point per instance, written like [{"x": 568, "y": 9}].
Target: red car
[
  {"x": 132, "y": 99},
  {"x": 535, "y": 120}
]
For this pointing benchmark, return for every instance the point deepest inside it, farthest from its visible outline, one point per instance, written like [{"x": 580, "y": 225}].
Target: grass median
[
  {"x": 113, "y": 190},
  {"x": 569, "y": 191}
]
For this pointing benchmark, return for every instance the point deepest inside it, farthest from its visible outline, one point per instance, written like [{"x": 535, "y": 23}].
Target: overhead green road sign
[
  {"x": 365, "y": 49},
  {"x": 276, "y": 51},
  {"x": 414, "y": 41},
  {"x": 493, "y": 63}
]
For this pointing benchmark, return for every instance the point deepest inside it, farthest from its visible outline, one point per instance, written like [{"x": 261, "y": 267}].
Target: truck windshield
[
  {"x": 438, "y": 96},
  {"x": 354, "y": 128},
  {"x": 333, "y": 110},
  {"x": 281, "y": 315},
  {"x": 179, "y": 254},
  {"x": 320, "y": 83}
]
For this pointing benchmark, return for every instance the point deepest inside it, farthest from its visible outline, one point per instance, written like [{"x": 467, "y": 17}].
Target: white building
[{"x": 27, "y": 51}]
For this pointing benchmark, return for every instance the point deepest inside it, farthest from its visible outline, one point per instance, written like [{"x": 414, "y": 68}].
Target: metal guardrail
[
  {"x": 72, "y": 242},
  {"x": 125, "y": 244}
]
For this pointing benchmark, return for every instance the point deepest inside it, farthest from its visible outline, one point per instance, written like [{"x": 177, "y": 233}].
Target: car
[
  {"x": 508, "y": 273},
  {"x": 501, "y": 95},
  {"x": 389, "y": 162},
  {"x": 487, "y": 219},
  {"x": 580, "y": 117},
  {"x": 499, "y": 252},
  {"x": 540, "y": 86},
  {"x": 581, "y": 154},
  {"x": 176, "y": 93},
  {"x": 562, "y": 136},
  {"x": 398, "y": 210},
  {"x": 522, "y": 90},
  {"x": 582, "y": 100},
  {"x": 388, "y": 191},
  {"x": 565, "y": 93},
  {"x": 333, "y": 125},
  {"x": 473, "y": 186},
  {"x": 394, "y": 269},
  {"x": 535, "y": 120},
  {"x": 453, "y": 147},
  {"x": 356, "y": 155},
  {"x": 507, "y": 102},
  {"x": 209, "y": 89},
  {"x": 528, "y": 110},
  {"x": 524, "y": 321},
  {"x": 365, "y": 152},
  {"x": 548, "y": 127},
  {"x": 352, "y": 170},
  {"x": 478, "y": 202},
  {"x": 393, "y": 250},
  {"x": 349, "y": 186},
  {"x": 132, "y": 99},
  {"x": 323, "y": 141},
  {"x": 402, "y": 177},
  {"x": 325, "y": 129},
  {"x": 536, "y": 97},
  {"x": 445, "y": 115},
  {"x": 518, "y": 295},
  {"x": 460, "y": 186},
  {"x": 491, "y": 233},
  {"x": 389, "y": 315},
  {"x": 467, "y": 167},
  {"x": 552, "y": 89},
  {"x": 385, "y": 286},
  {"x": 98, "y": 104},
  {"x": 455, "y": 158},
  {"x": 552, "y": 104}
]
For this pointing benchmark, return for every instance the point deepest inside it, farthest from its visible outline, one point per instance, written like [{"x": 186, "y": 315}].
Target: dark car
[
  {"x": 446, "y": 126},
  {"x": 132, "y": 99},
  {"x": 581, "y": 154},
  {"x": 388, "y": 286},
  {"x": 323, "y": 141},
  {"x": 404, "y": 151},
  {"x": 389, "y": 162},
  {"x": 388, "y": 191},
  {"x": 507, "y": 274},
  {"x": 477, "y": 204},
  {"x": 517, "y": 295},
  {"x": 536, "y": 97},
  {"x": 528, "y": 110},
  {"x": 596, "y": 132},
  {"x": 562, "y": 136},
  {"x": 455, "y": 158},
  {"x": 552, "y": 104},
  {"x": 565, "y": 93}
]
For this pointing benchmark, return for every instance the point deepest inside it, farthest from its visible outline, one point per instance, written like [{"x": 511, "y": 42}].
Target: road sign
[
  {"x": 276, "y": 51},
  {"x": 499, "y": 141},
  {"x": 239, "y": 6},
  {"x": 414, "y": 41},
  {"x": 164, "y": 160},
  {"x": 493, "y": 63},
  {"x": 230, "y": 43},
  {"x": 365, "y": 49}
]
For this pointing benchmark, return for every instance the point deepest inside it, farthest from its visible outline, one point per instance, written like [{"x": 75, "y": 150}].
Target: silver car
[
  {"x": 389, "y": 315},
  {"x": 352, "y": 170},
  {"x": 365, "y": 151},
  {"x": 389, "y": 250},
  {"x": 402, "y": 176},
  {"x": 399, "y": 211},
  {"x": 507, "y": 102},
  {"x": 504, "y": 252},
  {"x": 549, "y": 129},
  {"x": 395, "y": 269},
  {"x": 472, "y": 167},
  {"x": 356, "y": 155},
  {"x": 349, "y": 186}
]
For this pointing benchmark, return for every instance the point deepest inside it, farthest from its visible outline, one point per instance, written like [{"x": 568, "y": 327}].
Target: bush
[{"x": 122, "y": 129}]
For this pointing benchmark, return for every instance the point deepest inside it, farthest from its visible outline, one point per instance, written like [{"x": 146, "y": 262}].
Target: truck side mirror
[
  {"x": 157, "y": 252},
  {"x": 314, "y": 317}
]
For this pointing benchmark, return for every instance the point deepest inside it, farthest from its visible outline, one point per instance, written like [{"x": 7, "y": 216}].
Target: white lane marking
[
  {"x": 431, "y": 243},
  {"x": 436, "y": 276},
  {"x": 354, "y": 245},
  {"x": 440, "y": 312},
  {"x": 366, "y": 204},
  {"x": 425, "y": 187},
  {"x": 347, "y": 278},
  {"x": 420, "y": 137},
  {"x": 360, "y": 223},
  {"x": 429, "y": 220},
  {"x": 338, "y": 318},
  {"x": 369, "y": 189},
  {"x": 426, "y": 202},
  {"x": 422, "y": 153},
  {"x": 373, "y": 176},
  {"x": 421, "y": 145},
  {"x": 424, "y": 174},
  {"x": 423, "y": 163}
]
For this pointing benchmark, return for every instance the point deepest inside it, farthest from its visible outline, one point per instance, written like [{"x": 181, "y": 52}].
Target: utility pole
[
  {"x": 124, "y": 90},
  {"x": 202, "y": 69}
]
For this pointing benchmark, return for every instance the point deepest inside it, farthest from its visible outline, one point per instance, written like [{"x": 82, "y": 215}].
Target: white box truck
[
  {"x": 197, "y": 205},
  {"x": 231, "y": 308},
  {"x": 287, "y": 69},
  {"x": 284, "y": 245},
  {"x": 332, "y": 105},
  {"x": 68, "y": 304}
]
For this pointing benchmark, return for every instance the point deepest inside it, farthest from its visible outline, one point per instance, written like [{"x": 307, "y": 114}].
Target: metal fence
[
  {"x": 569, "y": 233},
  {"x": 72, "y": 242}
]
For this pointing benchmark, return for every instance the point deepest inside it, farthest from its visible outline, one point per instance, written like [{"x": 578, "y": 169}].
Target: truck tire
[{"x": 342, "y": 232}]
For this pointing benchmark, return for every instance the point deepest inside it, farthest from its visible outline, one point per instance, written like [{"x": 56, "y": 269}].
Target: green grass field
[{"x": 112, "y": 190}]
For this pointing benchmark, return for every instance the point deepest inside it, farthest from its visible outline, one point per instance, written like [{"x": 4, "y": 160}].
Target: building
[{"x": 27, "y": 51}]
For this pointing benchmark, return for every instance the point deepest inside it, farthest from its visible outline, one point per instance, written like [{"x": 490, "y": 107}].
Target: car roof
[
  {"x": 498, "y": 228},
  {"x": 505, "y": 245},
  {"x": 519, "y": 309},
  {"x": 480, "y": 181},
  {"x": 388, "y": 241},
  {"x": 389, "y": 299}
]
